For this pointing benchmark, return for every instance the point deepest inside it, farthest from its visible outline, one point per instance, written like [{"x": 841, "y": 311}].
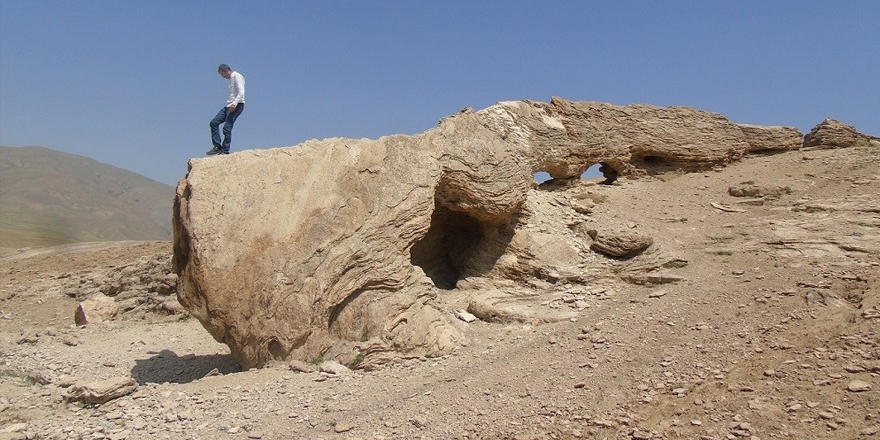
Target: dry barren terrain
[{"x": 765, "y": 324}]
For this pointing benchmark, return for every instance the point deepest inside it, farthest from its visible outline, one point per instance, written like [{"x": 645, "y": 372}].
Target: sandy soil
[{"x": 772, "y": 331}]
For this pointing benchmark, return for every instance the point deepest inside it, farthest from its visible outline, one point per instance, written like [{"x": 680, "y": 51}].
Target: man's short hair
[{"x": 224, "y": 68}]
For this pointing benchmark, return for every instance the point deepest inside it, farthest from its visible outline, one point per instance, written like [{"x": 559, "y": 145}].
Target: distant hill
[{"x": 49, "y": 198}]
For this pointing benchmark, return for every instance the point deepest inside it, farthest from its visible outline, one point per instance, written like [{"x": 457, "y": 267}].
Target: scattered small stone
[
  {"x": 871, "y": 430},
  {"x": 15, "y": 427},
  {"x": 872, "y": 313},
  {"x": 121, "y": 435},
  {"x": 332, "y": 367},
  {"x": 642, "y": 435},
  {"x": 70, "y": 341},
  {"x": 858, "y": 386},
  {"x": 343, "y": 427},
  {"x": 301, "y": 367},
  {"x": 30, "y": 338},
  {"x": 465, "y": 316},
  {"x": 39, "y": 377},
  {"x": 103, "y": 391}
]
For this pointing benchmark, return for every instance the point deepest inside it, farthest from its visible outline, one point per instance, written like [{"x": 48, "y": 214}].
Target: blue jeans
[{"x": 227, "y": 118}]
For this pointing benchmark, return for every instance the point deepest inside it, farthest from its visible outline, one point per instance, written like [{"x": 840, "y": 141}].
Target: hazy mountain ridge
[{"x": 50, "y": 197}]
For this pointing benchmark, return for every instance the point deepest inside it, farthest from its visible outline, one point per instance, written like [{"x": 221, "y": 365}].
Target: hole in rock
[
  {"x": 276, "y": 350},
  {"x": 541, "y": 177},
  {"x": 592, "y": 171},
  {"x": 446, "y": 250}
]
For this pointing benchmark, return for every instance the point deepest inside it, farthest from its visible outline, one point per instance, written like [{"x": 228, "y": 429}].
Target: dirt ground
[{"x": 767, "y": 326}]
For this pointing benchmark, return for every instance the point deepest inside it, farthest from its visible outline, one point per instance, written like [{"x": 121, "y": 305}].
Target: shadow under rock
[{"x": 167, "y": 366}]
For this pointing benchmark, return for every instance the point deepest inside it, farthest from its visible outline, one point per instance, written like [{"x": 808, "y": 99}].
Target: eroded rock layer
[{"x": 353, "y": 248}]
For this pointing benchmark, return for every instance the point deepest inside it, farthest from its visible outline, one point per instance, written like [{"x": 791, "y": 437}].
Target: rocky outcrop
[
  {"x": 357, "y": 248},
  {"x": 832, "y": 133},
  {"x": 763, "y": 139},
  {"x": 562, "y": 137}
]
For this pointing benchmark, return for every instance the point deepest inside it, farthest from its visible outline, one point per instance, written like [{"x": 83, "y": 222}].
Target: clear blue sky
[{"x": 134, "y": 84}]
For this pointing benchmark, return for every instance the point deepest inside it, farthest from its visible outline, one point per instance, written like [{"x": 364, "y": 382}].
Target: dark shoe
[{"x": 214, "y": 151}]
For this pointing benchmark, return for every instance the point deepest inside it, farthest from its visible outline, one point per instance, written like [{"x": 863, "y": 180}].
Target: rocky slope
[{"x": 755, "y": 313}]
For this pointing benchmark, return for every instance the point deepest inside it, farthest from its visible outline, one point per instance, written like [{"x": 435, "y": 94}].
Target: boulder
[
  {"x": 97, "y": 309},
  {"x": 493, "y": 305},
  {"x": 355, "y": 243},
  {"x": 619, "y": 244}
]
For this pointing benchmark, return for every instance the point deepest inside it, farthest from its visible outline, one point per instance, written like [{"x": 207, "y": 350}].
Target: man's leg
[
  {"x": 215, "y": 125},
  {"x": 227, "y": 127}
]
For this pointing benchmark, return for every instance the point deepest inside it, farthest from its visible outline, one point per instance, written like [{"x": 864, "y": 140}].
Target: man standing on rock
[{"x": 229, "y": 113}]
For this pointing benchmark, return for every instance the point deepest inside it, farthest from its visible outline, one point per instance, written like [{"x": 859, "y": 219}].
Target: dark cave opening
[
  {"x": 653, "y": 164},
  {"x": 446, "y": 250}
]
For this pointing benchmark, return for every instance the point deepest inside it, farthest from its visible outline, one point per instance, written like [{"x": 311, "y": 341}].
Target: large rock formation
[{"x": 352, "y": 248}]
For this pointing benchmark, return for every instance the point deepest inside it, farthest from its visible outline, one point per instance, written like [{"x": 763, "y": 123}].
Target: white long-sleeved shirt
[{"x": 236, "y": 89}]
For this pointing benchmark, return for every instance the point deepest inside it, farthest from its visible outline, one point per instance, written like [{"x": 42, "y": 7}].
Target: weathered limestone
[
  {"x": 752, "y": 190},
  {"x": 619, "y": 244},
  {"x": 763, "y": 139},
  {"x": 350, "y": 247},
  {"x": 97, "y": 309},
  {"x": 832, "y": 133},
  {"x": 102, "y": 391}
]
